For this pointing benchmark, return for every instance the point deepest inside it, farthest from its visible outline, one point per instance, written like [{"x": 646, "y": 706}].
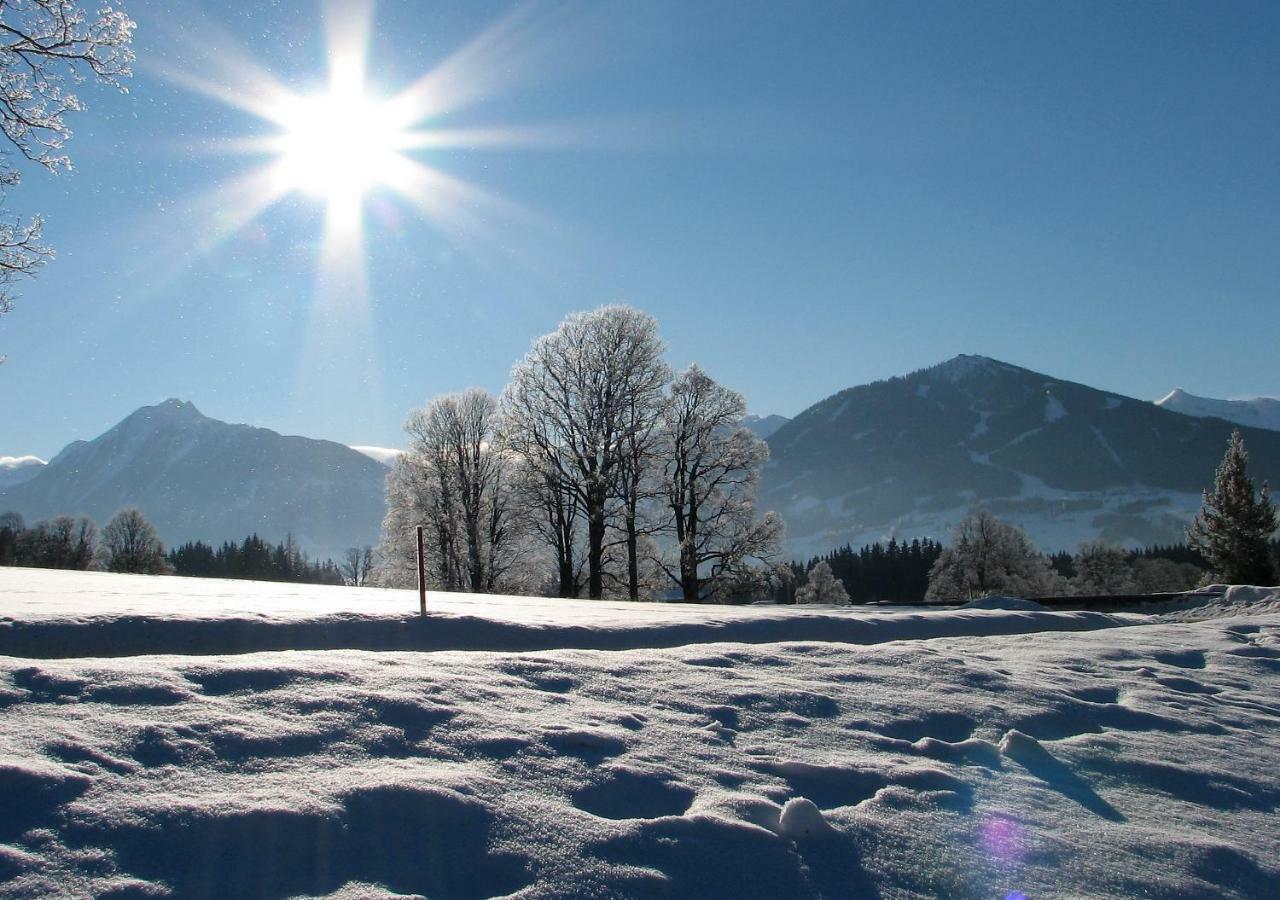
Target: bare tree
[
  {"x": 711, "y": 471},
  {"x": 47, "y": 46},
  {"x": 412, "y": 501},
  {"x": 574, "y": 405},
  {"x": 636, "y": 481},
  {"x": 453, "y": 480},
  {"x": 130, "y": 544},
  {"x": 551, "y": 510},
  {"x": 356, "y": 565}
]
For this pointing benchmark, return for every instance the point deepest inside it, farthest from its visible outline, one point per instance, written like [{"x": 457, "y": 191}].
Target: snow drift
[{"x": 1136, "y": 759}]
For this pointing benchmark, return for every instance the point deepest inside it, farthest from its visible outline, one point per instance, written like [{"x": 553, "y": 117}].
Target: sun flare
[
  {"x": 337, "y": 145},
  {"x": 354, "y": 136}
]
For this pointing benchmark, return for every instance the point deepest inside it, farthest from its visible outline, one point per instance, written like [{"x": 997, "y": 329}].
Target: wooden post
[{"x": 422, "y": 575}]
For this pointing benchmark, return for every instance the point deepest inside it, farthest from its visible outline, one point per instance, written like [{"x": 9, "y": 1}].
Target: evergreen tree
[{"x": 1234, "y": 527}]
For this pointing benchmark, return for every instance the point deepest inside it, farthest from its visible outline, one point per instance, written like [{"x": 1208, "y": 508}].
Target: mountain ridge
[
  {"x": 1257, "y": 412},
  {"x": 198, "y": 478},
  {"x": 910, "y": 455}
]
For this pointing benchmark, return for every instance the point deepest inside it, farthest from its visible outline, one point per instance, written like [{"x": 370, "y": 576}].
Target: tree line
[
  {"x": 899, "y": 572},
  {"x": 896, "y": 572},
  {"x": 256, "y": 560},
  {"x": 129, "y": 543},
  {"x": 1231, "y": 541},
  {"x": 598, "y": 471}
]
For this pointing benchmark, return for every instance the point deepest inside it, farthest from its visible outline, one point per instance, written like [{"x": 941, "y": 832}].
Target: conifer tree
[{"x": 1234, "y": 527}]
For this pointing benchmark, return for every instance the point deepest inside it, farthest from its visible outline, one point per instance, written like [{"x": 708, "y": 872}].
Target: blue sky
[{"x": 807, "y": 196}]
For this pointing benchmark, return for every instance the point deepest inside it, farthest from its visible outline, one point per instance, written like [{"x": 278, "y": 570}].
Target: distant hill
[
  {"x": 198, "y": 478},
  {"x": 17, "y": 469},
  {"x": 1260, "y": 412},
  {"x": 763, "y": 426},
  {"x": 910, "y": 456}
]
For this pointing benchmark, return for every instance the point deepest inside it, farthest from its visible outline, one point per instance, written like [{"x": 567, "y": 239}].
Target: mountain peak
[
  {"x": 174, "y": 406},
  {"x": 1258, "y": 412},
  {"x": 171, "y": 412},
  {"x": 967, "y": 366}
]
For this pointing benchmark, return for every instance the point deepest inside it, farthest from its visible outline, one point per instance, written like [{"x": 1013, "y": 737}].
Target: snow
[
  {"x": 951, "y": 758},
  {"x": 1015, "y": 603},
  {"x": 982, "y": 427},
  {"x": 1106, "y": 445},
  {"x": 20, "y": 462},
  {"x": 384, "y": 455},
  {"x": 966, "y": 366},
  {"x": 62, "y": 614},
  {"x": 1053, "y": 409},
  {"x": 1256, "y": 412}
]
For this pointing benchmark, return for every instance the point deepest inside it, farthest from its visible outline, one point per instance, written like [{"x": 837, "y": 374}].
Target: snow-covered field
[{"x": 557, "y": 749}]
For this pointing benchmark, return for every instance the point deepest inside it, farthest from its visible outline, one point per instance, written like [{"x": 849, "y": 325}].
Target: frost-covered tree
[
  {"x": 576, "y": 406},
  {"x": 130, "y": 544},
  {"x": 453, "y": 480},
  {"x": 551, "y": 512},
  {"x": 636, "y": 485},
  {"x": 711, "y": 468},
  {"x": 1155, "y": 576},
  {"x": 1101, "y": 570},
  {"x": 989, "y": 557},
  {"x": 46, "y": 48},
  {"x": 822, "y": 586},
  {"x": 1234, "y": 526}
]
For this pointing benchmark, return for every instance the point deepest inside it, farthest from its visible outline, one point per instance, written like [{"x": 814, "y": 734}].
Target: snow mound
[
  {"x": 1005, "y": 603},
  {"x": 1217, "y": 601},
  {"x": 1113, "y": 762},
  {"x": 57, "y": 614},
  {"x": 802, "y": 819}
]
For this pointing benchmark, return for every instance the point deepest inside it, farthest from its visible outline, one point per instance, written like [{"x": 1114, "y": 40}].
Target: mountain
[
  {"x": 198, "y": 478},
  {"x": 17, "y": 469},
  {"x": 763, "y": 426},
  {"x": 384, "y": 455},
  {"x": 910, "y": 456},
  {"x": 1260, "y": 412}
]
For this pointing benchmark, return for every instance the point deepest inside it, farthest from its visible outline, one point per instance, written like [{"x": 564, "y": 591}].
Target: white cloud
[
  {"x": 384, "y": 455},
  {"x": 20, "y": 462}
]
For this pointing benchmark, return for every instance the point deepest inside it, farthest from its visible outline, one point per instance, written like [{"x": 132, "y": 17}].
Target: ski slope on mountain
[{"x": 918, "y": 755}]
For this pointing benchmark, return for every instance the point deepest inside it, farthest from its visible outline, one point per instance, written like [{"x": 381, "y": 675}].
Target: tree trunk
[
  {"x": 633, "y": 562},
  {"x": 595, "y": 550}
]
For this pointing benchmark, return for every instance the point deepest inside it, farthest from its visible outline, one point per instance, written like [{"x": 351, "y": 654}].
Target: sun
[
  {"x": 355, "y": 134},
  {"x": 336, "y": 145}
]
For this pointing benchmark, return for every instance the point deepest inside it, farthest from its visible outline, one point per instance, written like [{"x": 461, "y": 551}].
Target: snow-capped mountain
[
  {"x": 1260, "y": 412},
  {"x": 198, "y": 478},
  {"x": 910, "y": 456},
  {"x": 763, "y": 426},
  {"x": 384, "y": 455},
  {"x": 17, "y": 469}
]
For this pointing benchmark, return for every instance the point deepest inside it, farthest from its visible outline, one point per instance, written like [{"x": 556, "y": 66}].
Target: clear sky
[{"x": 808, "y": 196}]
